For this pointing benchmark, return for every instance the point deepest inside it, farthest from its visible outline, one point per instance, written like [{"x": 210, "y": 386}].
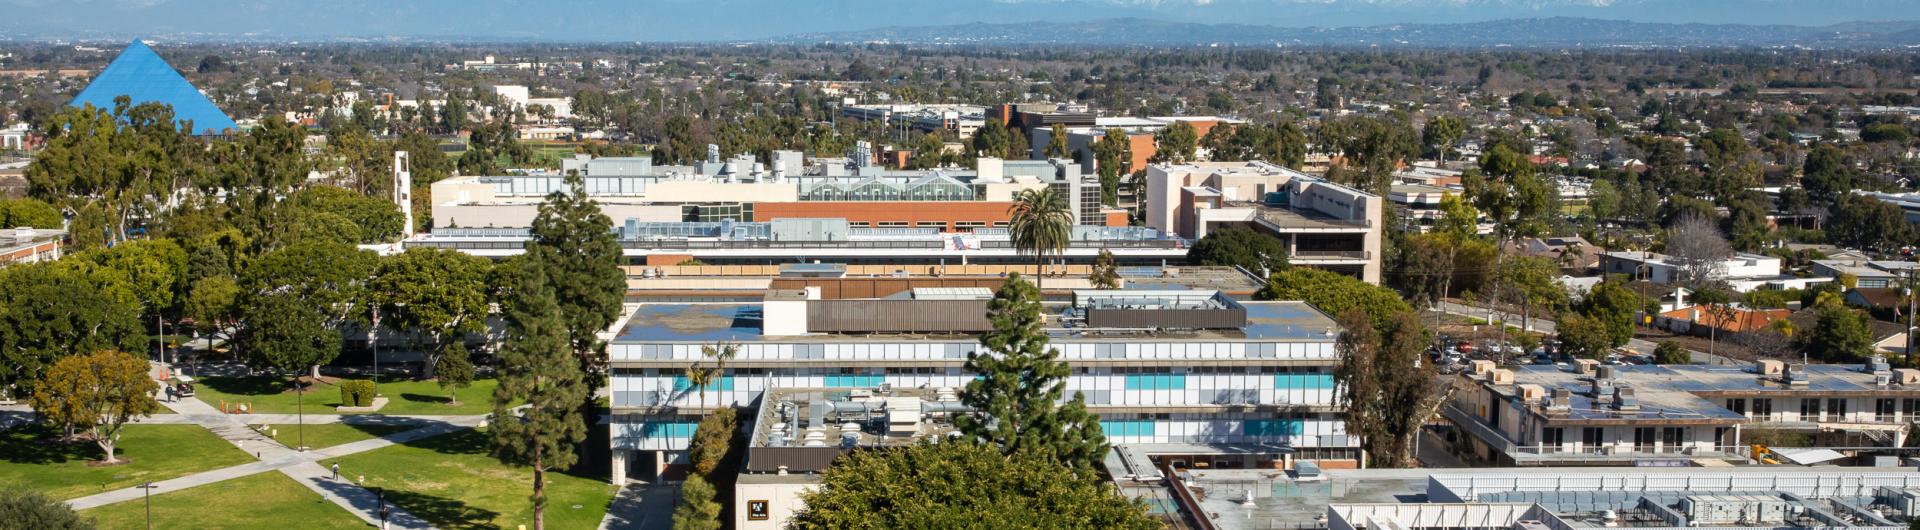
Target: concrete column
[{"x": 619, "y": 467}]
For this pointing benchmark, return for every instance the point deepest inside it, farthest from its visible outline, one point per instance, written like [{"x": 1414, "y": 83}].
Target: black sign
[{"x": 756, "y": 510}]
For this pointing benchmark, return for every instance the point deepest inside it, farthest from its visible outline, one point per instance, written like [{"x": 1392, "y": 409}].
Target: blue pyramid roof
[{"x": 140, "y": 74}]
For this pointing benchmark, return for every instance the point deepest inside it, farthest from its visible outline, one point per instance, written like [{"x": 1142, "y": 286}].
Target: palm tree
[
  {"x": 720, "y": 353},
  {"x": 1040, "y": 224},
  {"x": 698, "y": 377}
]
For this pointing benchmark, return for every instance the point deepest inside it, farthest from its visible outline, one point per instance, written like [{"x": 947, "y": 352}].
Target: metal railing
[{"x": 1335, "y": 254}]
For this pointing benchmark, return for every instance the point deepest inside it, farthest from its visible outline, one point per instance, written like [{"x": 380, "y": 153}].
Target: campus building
[
  {"x": 1323, "y": 224},
  {"x": 1168, "y": 372},
  {"x": 1589, "y": 414},
  {"x": 743, "y": 190}
]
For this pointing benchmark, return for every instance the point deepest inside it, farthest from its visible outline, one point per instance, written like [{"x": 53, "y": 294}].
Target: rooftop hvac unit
[
  {"x": 1906, "y": 376},
  {"x": 1532, "y": 393},
  {"x": 1796, "y": 374},
  {"x": 1905, "y": 500},
  {"x": 1716, "y": 510},
  {"x": 1883, "y": 378},
  {"x": 1876, "y": 364},
  {"x": 1766, "y": 367},
  {"x": 1561, "y": 399},
  {"x": 1624, "y": 399},
  {"x": 1604, "y": 371}
]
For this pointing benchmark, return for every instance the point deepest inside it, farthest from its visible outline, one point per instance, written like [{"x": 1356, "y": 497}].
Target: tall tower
[{"x": 403, "y": 191}]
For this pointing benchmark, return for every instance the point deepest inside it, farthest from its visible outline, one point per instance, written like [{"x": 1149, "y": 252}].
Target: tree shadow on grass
[
  {"x": 441, "y": 512},
  {"x": 39, "y": 444},
  {"x": 461, "y": 442},
  {"x": 257, "y": 385},
  {"x": 426, "y": 398}
]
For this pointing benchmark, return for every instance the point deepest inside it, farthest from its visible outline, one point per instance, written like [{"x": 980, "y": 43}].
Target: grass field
[
  {"x": 332, "y": 434},
  {"x": 269, "y": 395},
  {"x": 452, "y": 482},
  {"x": 30, "y": 458},
  {"x": 265, "y": 500}
]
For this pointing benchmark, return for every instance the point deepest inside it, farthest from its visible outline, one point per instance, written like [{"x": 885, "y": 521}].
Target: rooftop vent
[
  {"x": 1561, "y": 399},
  {"x": 1906, "y": 376},
  {"x": 1501, "y": 376},
  {"x": 1531, "y": 393},
  {"x": 1876, "y": 365},
  {"x": 1768, "y": 367},
  {"x": 1604, "y": 371},
  {"x": 1796, "y": 374},
  {"x": 1585, "y": 366},
  {"x": 1624, "y": 399}
]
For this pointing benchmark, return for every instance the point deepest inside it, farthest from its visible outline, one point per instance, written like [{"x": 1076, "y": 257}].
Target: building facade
[{"x": 1158, "y": 367}]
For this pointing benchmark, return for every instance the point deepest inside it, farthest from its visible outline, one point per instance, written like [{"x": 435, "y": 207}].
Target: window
[
  {"x": 1643, "y": 439},
  {"x": 1593, "y": 437},
  {"x": 1838, "y": 408},
  {"x": 1810, "y": 410},
  {"x": 1672, "y": 437},
  {"x": 1909, "y": 407},
  {"x": 1737, "y": 405},
  {"x": 1551, "y": 438},
  {"x": 1883, "y": 411},
  {"x": 1762, "y": 408},
  {"x": 894, "y": 224}
]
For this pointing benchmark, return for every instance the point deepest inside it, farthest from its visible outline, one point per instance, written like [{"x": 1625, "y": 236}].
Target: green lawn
[
  {"x": 332, "y": 434},
  {"x": 265, "y": 500},
  {"x": 30, "y": 458},
  {"x": 452, "y": 482},
  {"x": 269, "y": 395}
]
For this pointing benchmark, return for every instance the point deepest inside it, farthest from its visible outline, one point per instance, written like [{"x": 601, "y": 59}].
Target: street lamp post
[{"x": 148, "y": 489}]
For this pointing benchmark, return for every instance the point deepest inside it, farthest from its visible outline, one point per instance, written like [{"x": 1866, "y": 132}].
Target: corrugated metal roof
[{"x": 142, "y": 76}]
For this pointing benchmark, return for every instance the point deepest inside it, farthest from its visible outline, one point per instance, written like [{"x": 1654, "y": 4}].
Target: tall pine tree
[
  {"x": 1017, "y": 396},
  {"x": 537, "y": 366},
  {"x": 574, "y": 243}
]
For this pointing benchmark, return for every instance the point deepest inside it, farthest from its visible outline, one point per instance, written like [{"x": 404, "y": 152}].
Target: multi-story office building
[
  {"x": 962, "y": 120},
  {"x": 1167, "y": 369},
  {"x": 744, "y": 190},
  {"x": 1323, "y": 224},
  {"x": 1591, "y": 414}
]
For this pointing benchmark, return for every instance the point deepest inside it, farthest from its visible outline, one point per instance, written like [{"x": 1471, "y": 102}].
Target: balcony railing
[{"x": 1332, "y": 254}]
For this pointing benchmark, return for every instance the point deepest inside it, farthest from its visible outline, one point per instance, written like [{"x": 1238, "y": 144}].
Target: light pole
[{"x": 148, "y": 490}]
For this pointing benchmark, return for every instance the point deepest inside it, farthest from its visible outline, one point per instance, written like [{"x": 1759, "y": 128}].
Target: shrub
[{"x": 356, "y": 393}]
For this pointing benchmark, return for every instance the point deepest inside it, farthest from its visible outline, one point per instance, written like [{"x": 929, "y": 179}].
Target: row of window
[
  {"x": 1286, "y": 376},
  {"x": 1643, "y": 437},
  {"x": 1884, "y": 409},
  {"x": 1159, "y": 381}
]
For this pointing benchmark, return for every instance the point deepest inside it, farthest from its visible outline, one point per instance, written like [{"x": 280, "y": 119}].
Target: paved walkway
[
  {"x": 302, "y": 466},
  {"x": 641, "y": 507}
]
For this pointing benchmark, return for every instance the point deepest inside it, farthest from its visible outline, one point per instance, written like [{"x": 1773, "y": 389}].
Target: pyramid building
[{"x": 140, "y": 74}]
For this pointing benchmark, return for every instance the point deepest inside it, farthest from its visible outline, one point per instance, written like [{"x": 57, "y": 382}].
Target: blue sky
[{"x": 705, "y": 20}]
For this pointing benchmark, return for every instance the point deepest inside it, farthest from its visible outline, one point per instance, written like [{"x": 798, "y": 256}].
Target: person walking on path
[
  {"x": 336, "y": 471},
  {"x": 385, "y": 511}
]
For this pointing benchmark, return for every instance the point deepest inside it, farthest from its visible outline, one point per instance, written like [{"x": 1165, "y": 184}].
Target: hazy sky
[{"x": 703, "y": 20}]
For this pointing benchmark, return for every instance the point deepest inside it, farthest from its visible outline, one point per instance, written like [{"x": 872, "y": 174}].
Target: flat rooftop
[
  {"x": 1299, "y": 219},
  {"x": 1683, "y": 392},
  {"x": 713, "y": 322}
]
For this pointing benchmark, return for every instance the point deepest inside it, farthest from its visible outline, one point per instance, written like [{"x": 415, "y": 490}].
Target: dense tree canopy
[{"x": 964, "y": 486}]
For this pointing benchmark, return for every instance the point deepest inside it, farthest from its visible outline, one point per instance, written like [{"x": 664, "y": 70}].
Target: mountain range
[{"x": 1532, "y": 32}]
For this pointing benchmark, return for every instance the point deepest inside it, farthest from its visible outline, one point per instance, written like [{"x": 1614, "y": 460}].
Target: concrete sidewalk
[{"x": 302, "y": 466}]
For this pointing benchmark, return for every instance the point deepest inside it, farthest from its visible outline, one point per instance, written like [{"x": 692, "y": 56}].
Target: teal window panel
[
  {"x": 854, "y": 380},
  {"x": 675, "y": 429},
  {"x": 1127, "y": 427},
  {"x": 723, "y": 384},
  {"x": 1272, "y": 427},
  {"x": 1156, "y": 382},
  {"x": 1303, "y": 381}
]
